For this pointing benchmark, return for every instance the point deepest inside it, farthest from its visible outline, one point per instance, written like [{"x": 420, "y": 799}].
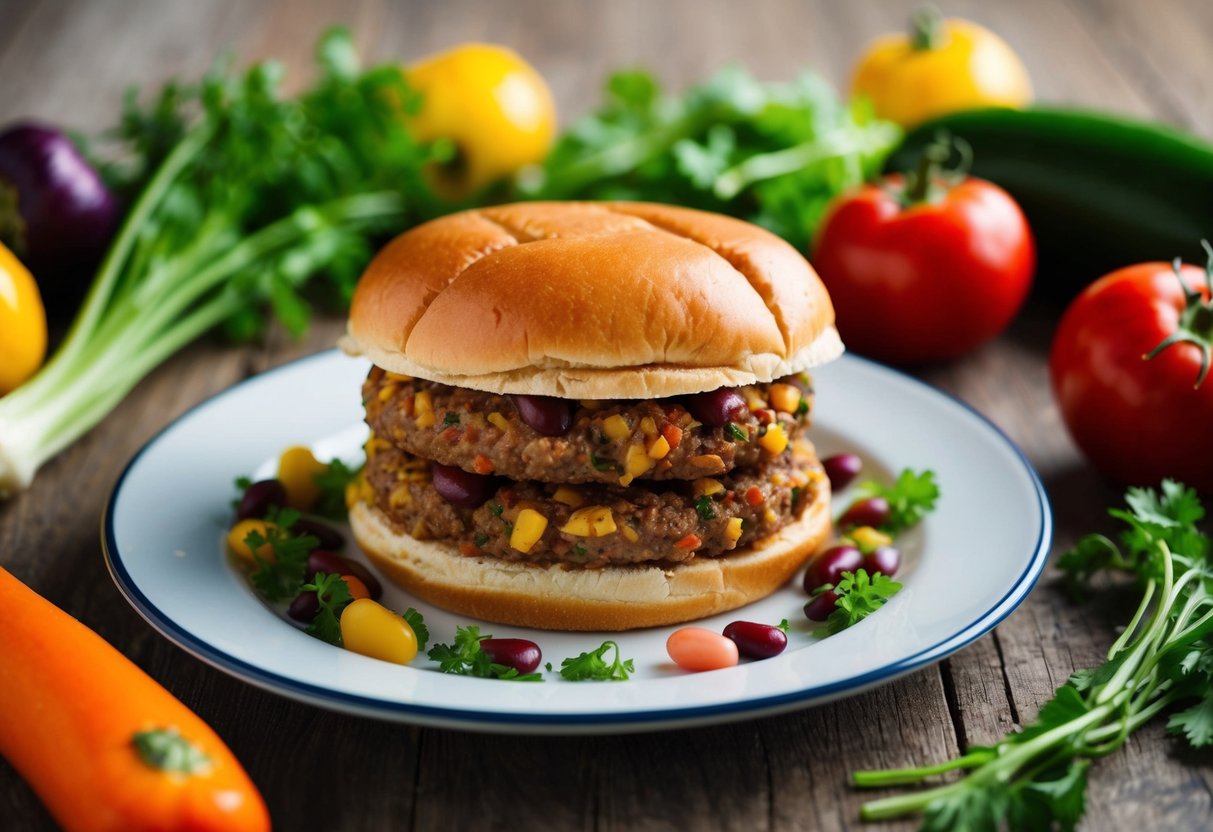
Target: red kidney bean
[
  {"x": 519, "y": 653},
  {"x": 546, "y": 414},
  {"x": 461, "y": 488},
  {"x": 842, "y": 469},
  {"x": 259, "y": 497},
  {"x": 883, "y": 559},
  {"x": 757, "y": 641},
  {"x": 870, "y": 511},
  {"x": 305, "y": 607},
  {"x": 819, "y": 608},
  {"x": 827, "y": 568},
  {"x": 717, "y": 407},
  {"x": 328, "y": 537}
]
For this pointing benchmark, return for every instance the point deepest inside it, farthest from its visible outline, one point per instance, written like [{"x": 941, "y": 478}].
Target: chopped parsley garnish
[
  {"x": 332, "y": 482},
  {"x": 783, "y": 625},
  {"x": 451, "y": 418},
  {"x": 579, "y": 550},
  {"x": 601, "y": 464},
  {"x": 860, "y": 595},
  {"x": 495, "y": 509},
  {"x": 165, "y": 749},
  {"x": 333, "y": 595},
  {"x": 280, "y": 576},
  {"x": 465, "y": 658},
  {"x": 480, "y": 539},
  {"x": 910, "y": 498},
  {"x": 593, "y": 666},
  {"x": 795, "y": 494},
  {"x": 737, "y": 432},
  {"x": 417, "y": 623},
  {"x": 803, "y": 407},
  {"x": 703, "y": 506},
  {"x": 242, "y": 484}
]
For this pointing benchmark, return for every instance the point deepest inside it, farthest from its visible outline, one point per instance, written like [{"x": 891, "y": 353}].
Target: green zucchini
[{"x": 1100, "y": 191}]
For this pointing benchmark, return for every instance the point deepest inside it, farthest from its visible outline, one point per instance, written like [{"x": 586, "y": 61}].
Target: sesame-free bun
[
  {"x": 591, "y": 301},
  {"x": 613, "y": 598}
]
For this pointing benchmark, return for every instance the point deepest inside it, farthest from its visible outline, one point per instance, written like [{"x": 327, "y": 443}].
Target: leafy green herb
[
  {"x": 333, "y": 595},
  {"x": 417, "y": 623},
  {"x": 775, "y": 154},
  {"x": 603, "y": 464},
  {"x": 579, "y": 550},
  {"x": 593, "y": 665},
  {"x": 164, "y": 749},
  {"x": 480, "y": 539},
  {"x": 910, "y": 498},
  {"x": 803, "y": 407},
  {"x": 239, "y": 198},
  {"x": 451, "y": 418},
  {"x": 242, "y": 483},
  {"x": 495, "y": 509},
  {"x": 332, "y": 482},
  {"x": 280, "y": 576},
  {"x": 465, "y": 658},
  {"x": 796, "y": 491},
  {"x": 783, "y": 625},
  {"x": 859, "y": 595},
  {"x": 1163, "y": 660},
  {"x": 704, "y": 508},
  {"x": 737, "y": 432}
]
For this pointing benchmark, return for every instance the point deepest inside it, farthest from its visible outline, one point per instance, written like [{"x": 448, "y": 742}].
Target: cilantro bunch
[
  {"x": 1163, "y": 661},
  {"x": 239, "y": 199},
  {"x": 771, "y": 153}
]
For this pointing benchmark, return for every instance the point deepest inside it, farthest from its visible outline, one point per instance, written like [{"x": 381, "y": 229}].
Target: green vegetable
[
  {"x": 451, "y": 418},
  {"x": 1036, "y": 778},
  {"x": 910, "y": 498},
  {"x": 465, "y": 658},
  {"x": 703, "y": 506},
  {"x": 417, "y": 623},
  {"x": 593, "y": 666},
  {"x": 280, "y": 577},
  {"x": 774, "y": 154},
  {"x": 858, "y": 597},
  {"x": 1100, "y": 191},
  {"x": 239, "y": 197},
  {"x": 333, "y": 595},
  {"x": 736, "y": 432},
  {"x": 165, "y": 749},
  {"x": 332, "y": 482}
]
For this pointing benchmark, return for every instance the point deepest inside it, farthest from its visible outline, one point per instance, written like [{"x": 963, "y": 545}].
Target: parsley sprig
[
  {"x": 279, "y": 576},
  {"x": 1163, "y": 661},
  {"x": 592, "y": 665},
  {"x": 465, "y": 658},
  {"x": 859, "y": 595},
  {"x": 911, "y": 497},
  {"x": 333, "y": 596},
  {"x": 332, "y": 482}
]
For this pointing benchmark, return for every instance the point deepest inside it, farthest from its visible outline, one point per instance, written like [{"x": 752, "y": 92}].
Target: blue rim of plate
[{"x": 672, "y": 717}]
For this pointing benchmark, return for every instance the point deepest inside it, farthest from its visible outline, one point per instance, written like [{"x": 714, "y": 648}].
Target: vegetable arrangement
[
  {"x": 1163, "y": 661},
  {"x": 123, "y": 755}
]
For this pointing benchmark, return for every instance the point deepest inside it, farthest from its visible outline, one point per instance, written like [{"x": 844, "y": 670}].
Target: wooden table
[{"x": 68, "y": 62}]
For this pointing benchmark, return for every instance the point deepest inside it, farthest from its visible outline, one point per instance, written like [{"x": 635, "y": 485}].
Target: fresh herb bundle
[
  {"x": 465, "y": 658},
  {"x": 1163, "y": 661},
  {"x": 774, "y": 154}
]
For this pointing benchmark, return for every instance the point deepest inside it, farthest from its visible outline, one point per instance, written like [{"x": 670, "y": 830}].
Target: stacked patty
[{"x": 589, "y": 483}]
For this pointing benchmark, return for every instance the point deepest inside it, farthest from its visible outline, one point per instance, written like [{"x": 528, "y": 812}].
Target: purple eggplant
[{"x": 56, "y": 213}]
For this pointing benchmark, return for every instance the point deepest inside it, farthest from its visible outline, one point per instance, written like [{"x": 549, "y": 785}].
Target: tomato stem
[
  {"x": 932, "y": 179},
  {"x": 926, "y": 29},
  {"x": 1195, "y": 320}
]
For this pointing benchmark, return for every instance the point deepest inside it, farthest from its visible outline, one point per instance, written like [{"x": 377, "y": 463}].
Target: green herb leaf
[
  {"x": 737, "y": 432},
  {"x": 332, "y": 482},
  {"x": 164, "y": 749},
  {"x": 593, "y": 665},
  {"x": 280, "y": 576},
  {"x": 1196, "y": 722},
  {"x": 333, "y": 595},
  {"x": 859, "y": 595},
  {"x": 910, "y": 498},
  {"x": 703, "y": 506},
  {"x": 602, "y": 463},
  {"x": 465, "y": 658},
  {"x": 451, "y": 418},
  {"x": 417, "y": 623}
]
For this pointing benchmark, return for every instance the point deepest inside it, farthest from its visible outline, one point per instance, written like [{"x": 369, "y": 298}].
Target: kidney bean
[
  {"x": 870, "y": 511},
  {"x": 756, "y": 641},
  {"x": 461, "y": 488},
  {"x": 328, "y": 537},
  {"x": 827, "y": 567},
  {"x": 519, "y": 653},
  {"x": 842, "y": 469},
  {"x": 305, "y": 607},
  {"x": 883, "y": 559},
  {"x": 259, "y": 497},
  {"x": 546, "y": 414},
  {"x": 717, "y": 407},
  {"x": 819, "y": 608},
  {"x": 697, "y": 648}
]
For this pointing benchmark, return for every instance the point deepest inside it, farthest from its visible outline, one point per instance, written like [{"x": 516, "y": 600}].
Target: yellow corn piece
[
  {"x": 770, "y": 516},
  {"x": 732, "y": 530},
  {"x": 423, "y": 409},
  {"x": 648, "y": 426},
  {"x": 707, "y": 487},
  {"x": 774, "y": 440},
  {"x": 386, "y": 392},
  {"x": 397, "y": 376},
  {"x": 236, "y": 540},
  {"x": 592, "y": 521},
  {"x": 528, "y": 528},
  {"x": 630, "y": 533},
  {"x": 752, "y": 399},
  {"x": 499, "y": 421},
  {"x": 868, "y": 538},
  {"x": 400, "y": 497},
  {"x": 590, "y": 404},
  {"x": 569, "y": 496},
  {"x": 634, "y": 464},
  {"x": 616, "y": 427},
  {"x": 659, "y": 448},
  {"x": 778, "y": 479},
  {"x": 420, "y": 531},
  {"x": 297, "y": 471},
  {"x": 785, "y": 397}
]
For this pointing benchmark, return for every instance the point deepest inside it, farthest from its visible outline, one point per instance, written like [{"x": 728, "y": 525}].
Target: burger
[{"x": 590, "y": 416}]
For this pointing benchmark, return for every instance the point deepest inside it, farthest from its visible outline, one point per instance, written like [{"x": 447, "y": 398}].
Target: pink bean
[{"x": 697, "y": 648}]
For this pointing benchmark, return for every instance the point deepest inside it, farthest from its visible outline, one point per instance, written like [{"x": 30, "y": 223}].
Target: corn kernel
[
  {"x": 297, "y": 471},
  {"x": 528, "y": 528},
  {"x": 778, "y": 479},
  {"x": 868, "y": 538},
  {"x": 770, "y": 516},
  {"x": 569, "y": 496},
  {"x": 499, "y": 421},
  {"x": 420, "y": 531},
  {"x": 373, "y": 630},
  {"x": 592, "y": 521},
  {"x": 630, "y": 533},
  {"x": 616, "y": 427},
  {"x": 659, "y": 448},
  {"x": 400, "y": 497},
  {"x": 591, "y": 404},
  {"x": 235, "y": 540},
  {"x": 637, "y": 461},
  {"x": 423, "y": 409},
  {"x": 648, "y": 426},
  {"x": 775, "y": 440},
  {"x": 397, "y": 376},
  {"x": 711, "y": 463},
  {"x": 785, "y": 397},
  {"x": 732, "y": 530},
  {"x": 707, "y": 487},
  {"x": 752, "y": 399},
  {"x": 386, "y": 392}
]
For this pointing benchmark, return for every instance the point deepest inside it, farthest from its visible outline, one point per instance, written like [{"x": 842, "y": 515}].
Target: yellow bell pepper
[
  {"x": 22, "y": 323},
  {"x": 495, "y": 107},
  {"x": 942, "y": 67}
]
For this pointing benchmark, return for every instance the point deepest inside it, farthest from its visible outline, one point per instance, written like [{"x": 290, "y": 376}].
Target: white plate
[{"x": 967, "y": 566}]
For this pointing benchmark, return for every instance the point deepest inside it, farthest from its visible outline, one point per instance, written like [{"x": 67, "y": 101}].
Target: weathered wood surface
[{"x": 68, "y": 61}]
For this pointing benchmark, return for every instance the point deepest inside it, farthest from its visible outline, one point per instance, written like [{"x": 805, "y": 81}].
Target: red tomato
[
  {"x": 928, "y": 281},
  {"x": 1137, "y": 420}
]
